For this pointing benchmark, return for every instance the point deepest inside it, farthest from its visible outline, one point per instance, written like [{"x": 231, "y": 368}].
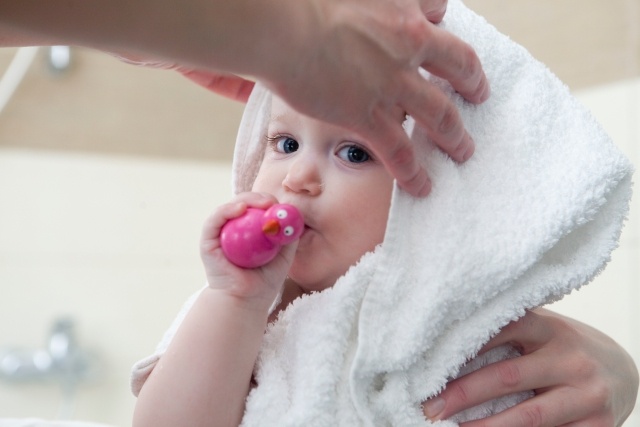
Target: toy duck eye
[
  {"x": 281, "y": 214},
  {"x": 288, "y": 230}
]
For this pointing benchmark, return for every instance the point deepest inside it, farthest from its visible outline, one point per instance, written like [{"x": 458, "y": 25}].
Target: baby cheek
[
  {"x": 262, "y": 183},
  {"x": 378, "y": 219},
  {"x": 270, "y": 177},
  {"x": 372, "y": 224}
]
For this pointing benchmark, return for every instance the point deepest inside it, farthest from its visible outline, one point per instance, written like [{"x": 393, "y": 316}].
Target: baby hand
[
  {"x": 260, "y": 283},
  {"x": 255, "y": 238}
]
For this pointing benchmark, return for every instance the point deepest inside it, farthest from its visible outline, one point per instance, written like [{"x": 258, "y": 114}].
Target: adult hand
[
  {"x": 580, "y": 377},
  {"x": 354, "y": 63},
  {"x": 357, "y": 65}
]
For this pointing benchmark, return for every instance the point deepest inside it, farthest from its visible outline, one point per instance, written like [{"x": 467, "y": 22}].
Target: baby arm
[{"x": 204, "y": 376}]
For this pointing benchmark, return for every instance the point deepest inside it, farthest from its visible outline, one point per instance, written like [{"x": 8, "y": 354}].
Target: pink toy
[{"x": 254, "y": 239}]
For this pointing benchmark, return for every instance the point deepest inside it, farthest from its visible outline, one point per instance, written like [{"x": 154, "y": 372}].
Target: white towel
[{"x": 534, "y": 214}]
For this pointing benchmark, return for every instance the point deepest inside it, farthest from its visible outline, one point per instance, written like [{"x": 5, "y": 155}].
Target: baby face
[{"x": 342, "y": 191}]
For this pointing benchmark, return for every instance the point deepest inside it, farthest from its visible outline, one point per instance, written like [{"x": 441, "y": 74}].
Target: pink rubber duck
[{"x": 254, "y": 239}]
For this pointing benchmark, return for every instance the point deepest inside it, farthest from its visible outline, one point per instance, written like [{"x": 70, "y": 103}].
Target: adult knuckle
[
  {"x": 598, "y": 396},
  {"x": 584, "y": 366},
  {"x": 508, "y": 374},
  {"x": 417, "y": 30},
  {"x": 401, "y": 156},
  {"x": 449, "y": 120},
  {"x": 435, "y": 9},
  {"x": 531, "y": 416},
  {"x": 470, "y": 65},
  {"x": 460, "y": 394}
]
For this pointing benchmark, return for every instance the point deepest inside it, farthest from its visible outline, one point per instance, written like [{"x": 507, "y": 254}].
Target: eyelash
[
  {"x": 369, "y": 157},
  {"x": 273, "y": 141}
]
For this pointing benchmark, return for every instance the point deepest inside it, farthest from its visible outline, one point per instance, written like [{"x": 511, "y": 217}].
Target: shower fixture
[{"x": 60, "y": 360}]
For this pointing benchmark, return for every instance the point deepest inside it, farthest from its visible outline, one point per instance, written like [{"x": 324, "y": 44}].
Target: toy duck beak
[{"x": 271, "y": 227}]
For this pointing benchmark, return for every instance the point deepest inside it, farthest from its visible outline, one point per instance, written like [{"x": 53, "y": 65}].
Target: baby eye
[
  {"x": 284, "y": 144},
  {"x": 281, "y": 214},
  {"x": 288, "y": 230},
  {"x": 353, "y": 154}
]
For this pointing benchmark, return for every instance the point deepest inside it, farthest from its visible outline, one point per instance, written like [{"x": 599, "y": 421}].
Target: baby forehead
[
  {"x": 284, "y": 118},
  {"x": 281, "y": 111}
]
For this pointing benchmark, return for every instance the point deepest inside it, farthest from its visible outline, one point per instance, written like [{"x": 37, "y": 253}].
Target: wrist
[
  {"x": 242, "y": 37},
  {"x": 255, "y": 305},
  {"x": 282, "y": 46}
]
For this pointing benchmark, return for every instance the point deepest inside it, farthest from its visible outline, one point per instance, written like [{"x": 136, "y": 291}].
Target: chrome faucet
[{"x": 61, "y": 360}]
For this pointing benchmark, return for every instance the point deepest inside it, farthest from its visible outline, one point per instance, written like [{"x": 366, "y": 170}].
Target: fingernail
[
  {"x": 464, "y": 150},
  {"x": 426, "y": 189},
  {"x": 433, "y": 407},
  {"x": 485, "y": 93},
  {"x": 470, "y": 150}
]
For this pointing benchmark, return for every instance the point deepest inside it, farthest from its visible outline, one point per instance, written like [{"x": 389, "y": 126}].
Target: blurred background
[{"x": 107, "y": 172}]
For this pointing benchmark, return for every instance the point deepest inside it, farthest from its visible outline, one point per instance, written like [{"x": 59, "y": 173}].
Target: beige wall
[
  {"x": 110, "y": 241},
  {"x": 107, "y": 172},
  {"x": 585, "y": 42},
  {"x": 102, "y": 105}
]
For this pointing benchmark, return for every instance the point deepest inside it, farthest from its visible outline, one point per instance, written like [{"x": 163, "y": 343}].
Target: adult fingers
[
  {"x": 394, "y": 149},
  {"x": 432, "y": 109},
  {"x": 529, "y": 333},
  {"x": 447, "y": 56},
  {"x": 434, "y": 10},
  {"x": 230, "y": 86},
  {"x": 492, "y": 381},
  {"x": 546, "y": 410}
]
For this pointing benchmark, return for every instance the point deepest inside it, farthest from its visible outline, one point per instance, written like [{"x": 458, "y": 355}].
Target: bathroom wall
[
  {"x": 110, "y": 241},
  {"x": 107, "y": 172}
]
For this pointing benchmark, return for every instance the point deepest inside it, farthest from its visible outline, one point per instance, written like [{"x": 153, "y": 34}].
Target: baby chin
[{"x": 311, "y": 276}]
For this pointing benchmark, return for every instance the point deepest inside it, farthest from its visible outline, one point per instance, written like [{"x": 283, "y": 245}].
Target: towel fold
[{"x": 533, "y": 215}]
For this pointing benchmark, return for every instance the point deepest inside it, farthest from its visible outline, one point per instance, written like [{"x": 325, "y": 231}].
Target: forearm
[
  {"x": 240, "y": 36},
  {"x": 204, "y": 376}
]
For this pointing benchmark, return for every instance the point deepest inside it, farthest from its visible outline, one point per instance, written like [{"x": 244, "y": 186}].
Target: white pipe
[{"x": 15, "y": 73}]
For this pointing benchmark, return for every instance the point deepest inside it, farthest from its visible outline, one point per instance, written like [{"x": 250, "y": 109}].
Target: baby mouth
[{"x": 306, "y": 229}]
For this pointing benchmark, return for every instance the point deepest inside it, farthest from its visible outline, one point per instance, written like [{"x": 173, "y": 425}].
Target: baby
[{"x": 343, "y": 193}]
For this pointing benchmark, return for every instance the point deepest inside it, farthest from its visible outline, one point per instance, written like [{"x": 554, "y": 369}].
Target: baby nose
[{"x": 304, "y": 177}]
